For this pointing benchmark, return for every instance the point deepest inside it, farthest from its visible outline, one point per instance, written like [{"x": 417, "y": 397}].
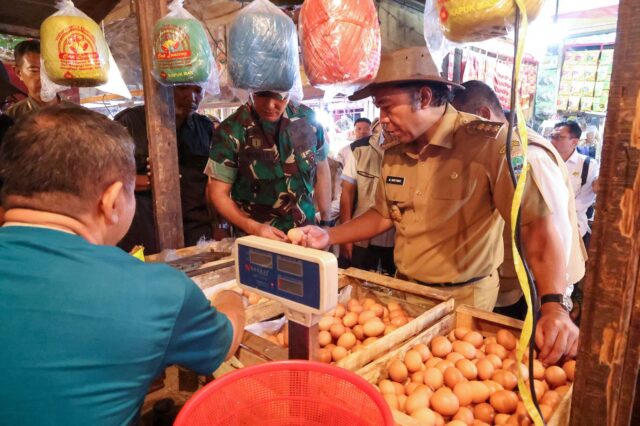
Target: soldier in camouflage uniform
[{"x": 268, "y": 157}]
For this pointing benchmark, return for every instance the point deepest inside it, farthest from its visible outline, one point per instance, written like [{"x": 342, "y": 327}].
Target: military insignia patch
[{"x": 490, "y": 129}]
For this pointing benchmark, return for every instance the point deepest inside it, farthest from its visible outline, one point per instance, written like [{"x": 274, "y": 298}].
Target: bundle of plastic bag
[
  {"x": 76, "y": 54},
  {"x": 74, "y": 51},
  {"x": 473, "y": 20},
  {"x": 340, "y": 43},
  {"x": 263, "y": 49},
  {"x": 181, "y": 51},
  {"x": 122, "y": 36}
]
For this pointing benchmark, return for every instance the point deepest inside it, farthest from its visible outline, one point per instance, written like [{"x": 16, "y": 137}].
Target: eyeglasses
[
  {"x": 556, "y": 137},
  {"x": 279, "y": 96}
]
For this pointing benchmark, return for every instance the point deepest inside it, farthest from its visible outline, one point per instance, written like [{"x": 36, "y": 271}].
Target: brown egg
[
  {"x": 374, "y": 327},
  {"x": 464, "y": 348},
  {"x": 465, "y": 415},
  {"x": 365, "y": 316},
  {"x": 441, "y": 346},
  {"x": 398, "y": 371},
  {"x": 539, "y": 387},
  {"x": 397, "y": 313},
  {"x": 340, "y": 311},
  {"x": 413, "y": 361},
  {"x": 368, "y": 302},
  {"x": 325, "y": 323},
  {"x": 399, "y": 321},
  {"x": 347, "y": 341},
  {"x": 338, "y": 353},
  {"x": 493, "y": 386},
  {"x": 546, "y": 412},
  {"x": 324, "y": 338},
  {"x": 398, "y": 388},
  {"x": 484, "y": 412},
  {"x": 393, "y": 306},
  {"x": 569, "y": 367},
  {"x": 464, "y": 393},
  {"x": 377, "y": 309},
  {"x": 443, "y": 365},
  {"x": 386, "y": 386},
  {"x": 460, "y": 332},
  {"x": 323, "y": 355},
  {"x": 467, "y": 368},
  {"x": 433, "y": 361},
  {"x": 480, "y": 391},
  {"x": 417, "y": 377},
  {"x": 392, "y": 400},
  {"x": 551, "y": 398},
  {"x": 425, "y": 416},
  {"x": 402, "y": 403},
  {"x": 439, "y": 419},
  {"x": 352, "y": 303},
  {"x": 507, "y": 363},
  {"x": 504, "y": 401},
  {"x": 433, "y": 378},
  {"x": 453, "y": 376},
  {"x": 454, "y": 357},
  {"x": 496, "y": 349},
  {"x": 495, "y": 360},
  {"x": 423, "y": 350},
  {"x": 524, "y": 370},
  {"x": 350, "y": 319},
  {"x": 445, "y": 402},
  {"x": 416, "y": 401},
  {"x": 474, "y": 338},
  {"x": 555, "y": 376},
  {"x": 501, "y": 419},
  {"x": 411, "y": 387},
  {"x": 489, "y": 340},
  {"x": 330, "y": 347},
  {"x": 369, "y": 340},
  {"x": 507, "y": 379},
  {"x": 337, "y": 330},
  {"x": 477, "y": 422},
  {"x": 506, "y": 339},
  {"x": 485, "y": 369},
  {"x": 456, "y": 423},
  {"x": 358, "y": 331},
  {"x": 562, "y": 390},
  {"x": 451, "y": 336},
  {"x": 538, "y": 370},
  {"x": 389, "y": 329}
]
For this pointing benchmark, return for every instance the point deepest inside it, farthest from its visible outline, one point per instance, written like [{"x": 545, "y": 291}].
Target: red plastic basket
[{"x": 287, "y": 393}]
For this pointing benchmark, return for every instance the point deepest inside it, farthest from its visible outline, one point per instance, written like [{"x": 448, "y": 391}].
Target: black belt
[{"x": 402, "y": 276}]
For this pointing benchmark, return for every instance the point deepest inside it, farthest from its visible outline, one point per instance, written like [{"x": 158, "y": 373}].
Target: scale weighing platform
[{"x": 304, "y": 280}]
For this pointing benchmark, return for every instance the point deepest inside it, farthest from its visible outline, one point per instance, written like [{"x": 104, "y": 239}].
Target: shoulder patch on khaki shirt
[{"x": 489, "y": 129}]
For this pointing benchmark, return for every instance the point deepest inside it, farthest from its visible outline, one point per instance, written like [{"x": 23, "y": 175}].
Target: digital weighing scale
[{"x": 304, "y": 280}]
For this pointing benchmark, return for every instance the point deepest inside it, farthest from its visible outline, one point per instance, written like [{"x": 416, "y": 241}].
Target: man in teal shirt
[{"x": 85, "y": 327}]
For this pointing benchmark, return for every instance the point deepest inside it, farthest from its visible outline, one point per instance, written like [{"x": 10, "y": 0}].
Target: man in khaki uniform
[
  {"x": 549, "y": 171},
  {"x": 444, "y": 186}
]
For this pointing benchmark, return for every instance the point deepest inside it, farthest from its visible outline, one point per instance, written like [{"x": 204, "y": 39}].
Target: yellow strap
[
  {"x": 138, "y": 252},
  {"x": 527, "y": 329}
]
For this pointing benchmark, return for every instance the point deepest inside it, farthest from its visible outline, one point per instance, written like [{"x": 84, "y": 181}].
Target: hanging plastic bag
[
  {"x": 76, "y": 54},
  {"x": 263, "y": 50},
  {"x": 181, "y": 51},
  {"x": 472, "y": 20},
  {"x": 74, "y": 50},
  {"x": 340, "y": 43}
]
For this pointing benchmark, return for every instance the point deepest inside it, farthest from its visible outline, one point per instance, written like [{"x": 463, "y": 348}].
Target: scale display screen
[
  {"x": 291, "y": 286},
  {"x": 293, "y": 267},
  {"x": 261, "y": 258}
]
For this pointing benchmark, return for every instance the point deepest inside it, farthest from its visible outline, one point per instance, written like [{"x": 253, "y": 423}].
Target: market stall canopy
[{"x": 23, "y": 17}]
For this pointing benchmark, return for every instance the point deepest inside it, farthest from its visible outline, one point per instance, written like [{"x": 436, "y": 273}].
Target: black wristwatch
[
  {"x": 327, "y": 223},
  {"x": 562, "y": 299}
]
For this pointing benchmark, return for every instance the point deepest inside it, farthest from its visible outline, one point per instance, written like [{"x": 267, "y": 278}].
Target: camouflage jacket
[{"x": 271, "y": 166}]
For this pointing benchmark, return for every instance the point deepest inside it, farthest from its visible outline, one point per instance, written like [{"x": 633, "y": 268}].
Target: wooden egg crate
[
  {"x": 487, "y": 323},
  {"x": 425, "y": 305}
]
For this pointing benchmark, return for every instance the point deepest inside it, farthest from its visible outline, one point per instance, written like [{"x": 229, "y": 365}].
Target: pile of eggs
[
  {"x": 253, "y": 298},
  {"x": 467, "y": 379},
  {"x": 351, "y": 327},
  {"x": 281, "y": 338}
]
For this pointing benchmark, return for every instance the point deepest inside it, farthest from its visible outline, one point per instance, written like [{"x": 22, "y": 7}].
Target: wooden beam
[
  {"x": 161, "y": 133},
  {"x": 609, "y": 351},
  {"x": 19, "y": 30}
]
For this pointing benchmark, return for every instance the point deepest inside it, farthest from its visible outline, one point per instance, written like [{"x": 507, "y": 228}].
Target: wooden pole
[
  {"x": 161, "y": 133},
  {"x": 609, "y": 351}
]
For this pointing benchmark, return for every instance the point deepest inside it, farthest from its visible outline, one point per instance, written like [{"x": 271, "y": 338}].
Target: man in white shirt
[
  {"x": 360, "y": 178},
  {"x": 583, "y": 172},
  {"x": 552, "y": 179}
]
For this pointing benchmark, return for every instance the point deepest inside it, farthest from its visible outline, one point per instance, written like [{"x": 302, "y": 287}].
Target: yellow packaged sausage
[
  {"x": 477, "y": 20},
  {"x": 73, "y": 48}
]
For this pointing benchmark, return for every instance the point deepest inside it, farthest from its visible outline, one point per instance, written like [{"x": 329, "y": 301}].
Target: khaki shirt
[{"x": 448, "y": 201}]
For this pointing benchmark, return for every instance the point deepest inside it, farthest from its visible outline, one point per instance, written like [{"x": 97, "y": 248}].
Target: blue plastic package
[{"x": 263, "y": 50}]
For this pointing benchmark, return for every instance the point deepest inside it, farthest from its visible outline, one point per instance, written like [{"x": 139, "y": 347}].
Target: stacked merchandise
[{"x": 584, "y": 85}]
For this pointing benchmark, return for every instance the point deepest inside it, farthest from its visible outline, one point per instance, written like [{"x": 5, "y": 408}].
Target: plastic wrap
[
  {"x": 263, "y": 50},
  {"x": 340, "y": 43},
  {"x": 181, "y": 51},
  {"x": 74, "y": 51},
  {"x": 122, "y": 36},
  {"x": 474, "y": 20},
  {"x": 73, "y": 43}
]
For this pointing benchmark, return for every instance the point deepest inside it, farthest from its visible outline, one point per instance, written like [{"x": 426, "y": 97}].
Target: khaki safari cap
[{"x": 413, "y": 64}]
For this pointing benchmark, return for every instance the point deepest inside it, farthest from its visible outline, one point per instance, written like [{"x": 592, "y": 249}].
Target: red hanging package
[{"x": 340, "y": 43}]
